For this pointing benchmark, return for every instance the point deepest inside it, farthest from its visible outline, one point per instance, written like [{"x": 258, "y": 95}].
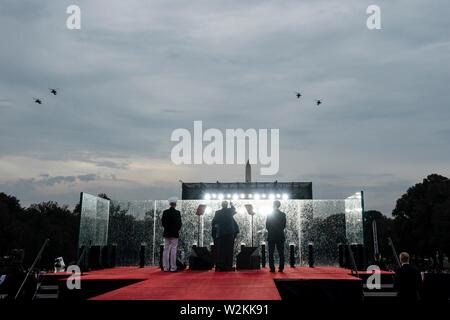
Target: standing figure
[
  {"x": 407, "y": 281},
  {"x": 275, "y": 225},
  {"x": 224, "y": 232},
  {"x": 171, "y": 221}
]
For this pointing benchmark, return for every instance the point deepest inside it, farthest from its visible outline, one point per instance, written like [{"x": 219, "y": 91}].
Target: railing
[
  {"x": 352, "y": 261},
  {"x": 394, "y": 252},
  {"x": 82, "y": 258},
  {"x": 38, "y": 257}
]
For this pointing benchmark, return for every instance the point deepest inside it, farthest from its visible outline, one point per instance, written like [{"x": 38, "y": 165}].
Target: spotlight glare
[
  {"x": 242, "y": 195},
  {"x": 250, "y": 196},
  {"x": 271, "y": 196},
  {"x": 220, "y": 196},
  {"x": 207, "y": 196},
  {"x": 266, "y": 210},
  {"x": 235, "y": 196},
  {"x": 285, "y": 196},
  {"x": 257, "y": 196},
  {"x": 228, "y": 196},
  {"x": 214, "y": 196},
  {"x": 278, "y": 196},
  {"x": 264, "y": 196}
]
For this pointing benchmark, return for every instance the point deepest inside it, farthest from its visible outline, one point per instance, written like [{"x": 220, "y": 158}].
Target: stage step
[
  {"x": 379, "y": 294},
  {"x": 40, "y": 296},
  {"x": 385, "y": 286},
  {"x": 47, "y": 292},
  {"x": 386, "y": 292}
]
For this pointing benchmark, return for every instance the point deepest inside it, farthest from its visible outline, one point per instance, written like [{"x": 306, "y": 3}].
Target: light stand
[
  {"x": 250, "y": 211},
  {"x": 200, "y": 211}
]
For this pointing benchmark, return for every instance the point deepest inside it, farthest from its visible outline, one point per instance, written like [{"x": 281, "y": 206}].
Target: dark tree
[
  {"x": 11, "y": 223},
  {"x": 28, "y": 228},
  {"x": 422, "y": 217}
]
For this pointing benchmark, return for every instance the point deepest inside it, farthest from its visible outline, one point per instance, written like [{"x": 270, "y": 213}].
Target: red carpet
[{"x": 206, "y": 285}]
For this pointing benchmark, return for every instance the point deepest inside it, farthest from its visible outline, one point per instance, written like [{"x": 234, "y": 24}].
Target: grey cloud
[
  {"x": 138, "y": 70},
  {"x": 88, "y": 177},
  {"x": 48, "y": 180}
]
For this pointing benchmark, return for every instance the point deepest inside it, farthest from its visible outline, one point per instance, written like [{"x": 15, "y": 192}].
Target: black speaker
[
  {"x": 292, "y": 255},
  {"x": 142, "y": 256},
  {"x": 311, "y": 255},
  {"x": 248, "y": 259},
  {"x": 361, "y": 257},
  {"x": 112, "y": 255},
  {"x": 95, "y": 257},
  {"x": 347, "y": 260},
  {"x": 263, "y": 255},
  {"x": 354, "y": 250},
  {"x": 200, "y": 259},
  {"x": 341, "y": 250},
  {"x": 106, "y": 253}
]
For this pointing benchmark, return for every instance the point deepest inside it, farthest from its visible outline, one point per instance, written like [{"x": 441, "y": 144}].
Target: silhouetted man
[
  {"x": 224, "y": 232},
  {"x": 275, "y": 225},
  {"x": 171, "y": 221},
  {"x": 408, "y": 280}
]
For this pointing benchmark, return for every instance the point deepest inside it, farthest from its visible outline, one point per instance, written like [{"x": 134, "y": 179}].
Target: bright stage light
[
  {"x": 220, "y": 196},
  {"x": 229, "y": 196},
  {"x": 271, "y": 196},
  {"x": 285, "y": 196},
  {"x": 214, "y": 196},
  {"x": 207, "y": 196},
  {"x": 264, "y": 196},
  {"x": 250, "y": 196},
  {"x": 242, "y": 195},
  {"x": 265, "y": 210},
  {"x": 278, "y": 196},
  {"x": 235, "y": 196},
  {"x": 257, "y": 196}
]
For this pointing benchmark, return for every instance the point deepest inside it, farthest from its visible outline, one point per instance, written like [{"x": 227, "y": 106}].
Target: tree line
[{"x": 420, "y": 224}]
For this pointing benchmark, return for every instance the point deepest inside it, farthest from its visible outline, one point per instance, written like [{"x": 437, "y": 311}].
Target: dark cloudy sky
[{"x": 137, "y": 70}]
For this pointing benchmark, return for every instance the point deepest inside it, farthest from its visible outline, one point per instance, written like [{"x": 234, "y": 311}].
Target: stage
[{"x": 132, "y": 283}]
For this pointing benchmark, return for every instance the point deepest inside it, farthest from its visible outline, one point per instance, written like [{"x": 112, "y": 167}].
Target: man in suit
[
  {"x": 171, "y": 221},
  {"x": 408, "y": 280},
  {"x": 275, "y": 225},
  {"x": 224, "y": 232}
]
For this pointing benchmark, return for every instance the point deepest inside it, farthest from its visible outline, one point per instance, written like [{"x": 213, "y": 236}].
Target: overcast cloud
[{"x": 137, "y": 70}]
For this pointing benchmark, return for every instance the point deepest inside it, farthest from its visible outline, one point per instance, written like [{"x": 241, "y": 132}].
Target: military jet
[
  {"x": 298, "y": 94},
  {"x": 38, "y": 101},
  {"x": 318, "y": 102},
  {"x": 53, "y": 91}
]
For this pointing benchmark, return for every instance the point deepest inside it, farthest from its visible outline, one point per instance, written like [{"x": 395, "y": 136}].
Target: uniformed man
[{"x": 171, "y": 221}]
